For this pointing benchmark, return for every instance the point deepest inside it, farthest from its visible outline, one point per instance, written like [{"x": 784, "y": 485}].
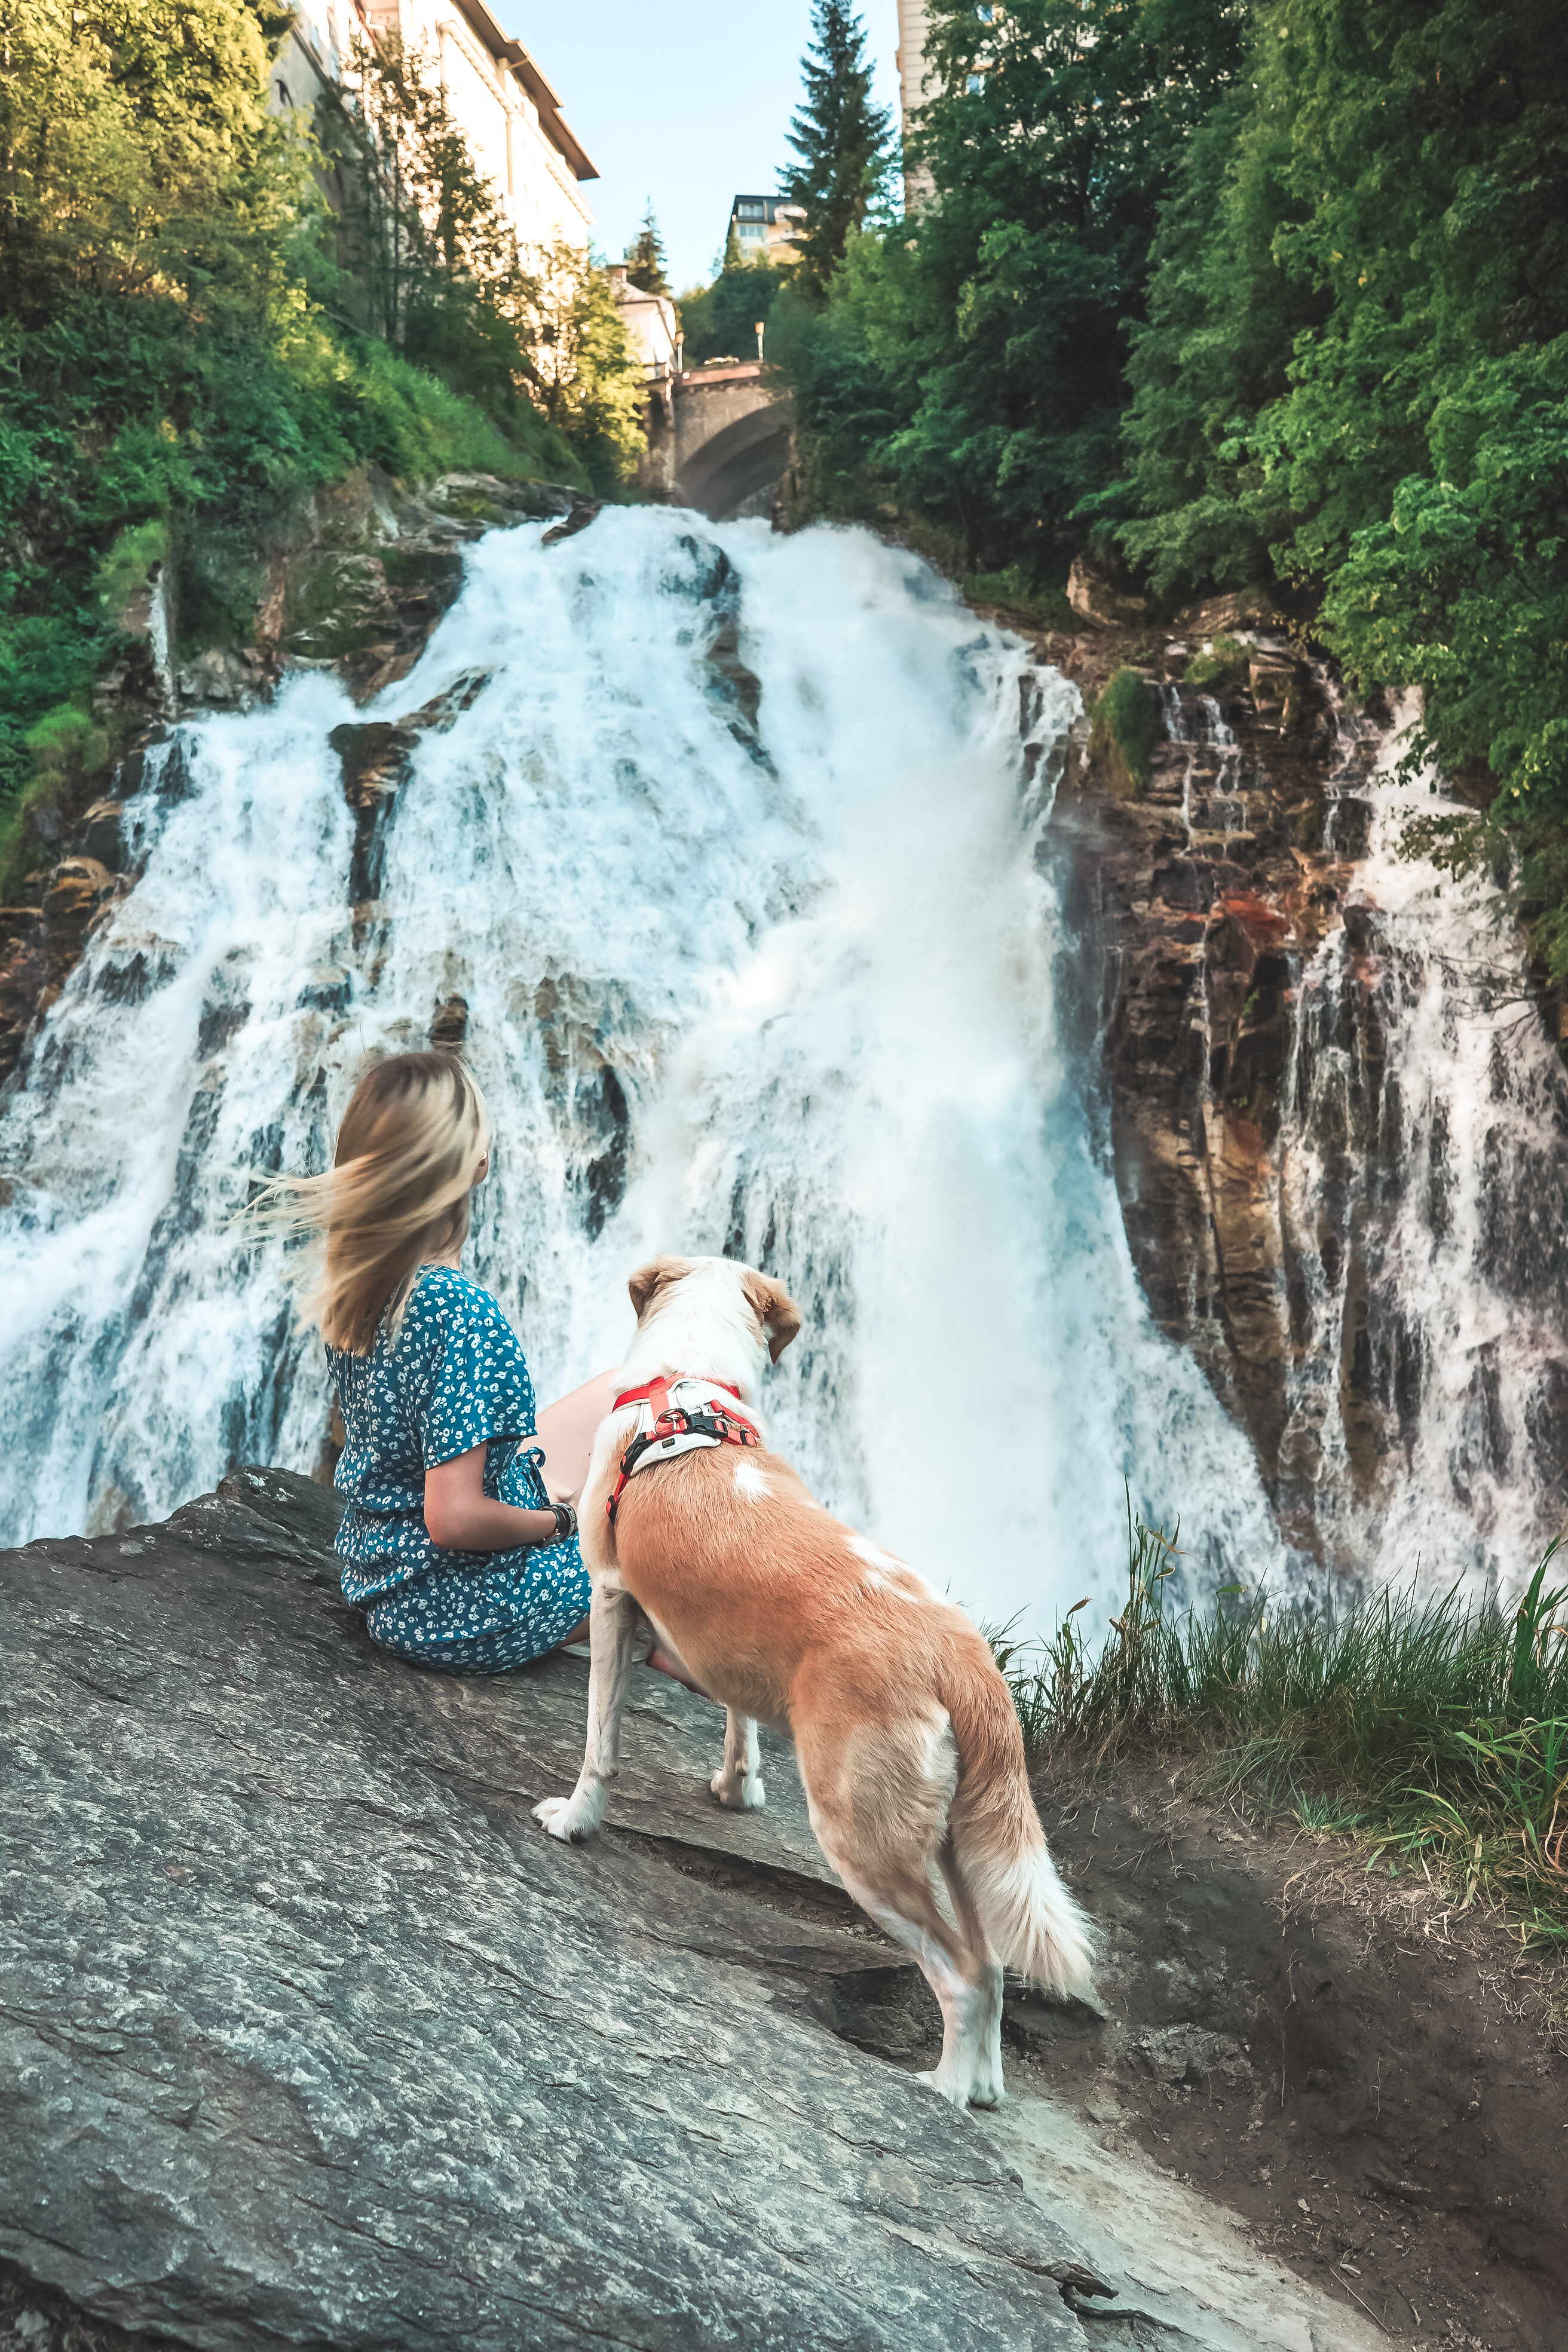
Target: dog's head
[{"x": 711, "y": 1315}]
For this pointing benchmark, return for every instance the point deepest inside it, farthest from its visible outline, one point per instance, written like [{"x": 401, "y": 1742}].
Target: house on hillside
[
  {"x": 651, "y": 324},
  {"x": 509, "y": 112},
  {"x": 768, "y": 229}
]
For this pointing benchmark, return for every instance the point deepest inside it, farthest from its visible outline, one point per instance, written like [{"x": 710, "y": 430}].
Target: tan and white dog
[{"x": 908, "y": 1747}]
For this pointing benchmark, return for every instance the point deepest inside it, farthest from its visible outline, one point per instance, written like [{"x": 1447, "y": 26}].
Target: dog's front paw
[
  {"x": 945, "y": 2088},
  {"x": 737, "y": 1796},
  {"x": 566, "y": 1819}
]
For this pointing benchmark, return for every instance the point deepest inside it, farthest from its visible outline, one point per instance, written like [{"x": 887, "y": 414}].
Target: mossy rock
[
  {"x": 1223, "y": 666},
  {"x": 1127, "y": 724}
]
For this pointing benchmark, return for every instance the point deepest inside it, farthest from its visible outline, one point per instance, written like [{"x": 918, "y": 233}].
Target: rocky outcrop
[
  {"x": 307, "y": 2035},
  {"x": 353, "y": 580},
  {"x": 1198, "y": 900},
  {"x": 1233, "y": 988}
]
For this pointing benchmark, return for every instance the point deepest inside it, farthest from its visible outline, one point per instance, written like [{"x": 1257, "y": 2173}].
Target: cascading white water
[
  {"x": 1423, "y": 1124},
  {"x": 788, "y": 994}
]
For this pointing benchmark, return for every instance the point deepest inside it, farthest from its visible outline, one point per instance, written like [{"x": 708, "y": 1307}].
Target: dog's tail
[{"x": 1032, "y": 1922}]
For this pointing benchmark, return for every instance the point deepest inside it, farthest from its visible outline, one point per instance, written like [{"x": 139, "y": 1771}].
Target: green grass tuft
[
  {"x": 1127, "y": 724},
  {"x": 1434, "y": 1730}
]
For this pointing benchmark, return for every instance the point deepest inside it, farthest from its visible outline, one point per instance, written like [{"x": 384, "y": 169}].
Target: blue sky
[{"x": 688, "y": 104}]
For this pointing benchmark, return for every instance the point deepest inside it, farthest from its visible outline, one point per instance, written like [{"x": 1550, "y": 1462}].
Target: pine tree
[
  {"x": 645, "y": 258},
  {"x": 839, "y": 137}
]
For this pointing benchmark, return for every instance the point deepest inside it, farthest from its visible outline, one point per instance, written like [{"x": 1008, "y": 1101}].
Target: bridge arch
[
  {"x": 716, "y": 437},
  {"x": 741, "y": 459}
]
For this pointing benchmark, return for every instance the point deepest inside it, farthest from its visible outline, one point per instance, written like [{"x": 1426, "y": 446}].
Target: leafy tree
[
  {"x": 583, "y": 372},
  {"x": 840, "y": 141},
  {"x": 722, "y": 318},
  {"x": 645, "y": 258},
  {"x": 1355, "y": 369},
  {"x": 1052, "y": 132},
  {"x": 187, "y": 342}
]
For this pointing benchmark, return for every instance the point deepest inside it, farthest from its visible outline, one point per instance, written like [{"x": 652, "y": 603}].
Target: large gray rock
[{"x": 309, "y": 2036}]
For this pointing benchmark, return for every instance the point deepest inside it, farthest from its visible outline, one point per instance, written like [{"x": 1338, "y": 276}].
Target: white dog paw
[
  {"x": 947, "y": 2091},
  {"x": 737, "y": 1796},
  {"x": 564, "y": 1820}
]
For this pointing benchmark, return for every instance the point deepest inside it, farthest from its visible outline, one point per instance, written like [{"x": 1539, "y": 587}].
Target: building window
[{"x": 750, "y": 212}]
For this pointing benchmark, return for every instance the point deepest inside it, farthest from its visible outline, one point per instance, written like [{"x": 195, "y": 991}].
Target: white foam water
[
  {"x": 1422, "y": 1128},
  {"x": 788, "y": 994}
]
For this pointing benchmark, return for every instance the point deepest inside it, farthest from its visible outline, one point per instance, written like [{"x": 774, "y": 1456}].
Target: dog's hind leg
[
  {"x": 880, "y": 1797},
  {"x": 613, "y": 1622},
  {"x": 737, "y": 1782},
  {"x": 962, "y": 2072},
  {"x": 982, "y": 1969}
]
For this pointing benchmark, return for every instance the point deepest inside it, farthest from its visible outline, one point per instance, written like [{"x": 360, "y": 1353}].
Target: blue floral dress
[{"x": 455, "y": 1377}]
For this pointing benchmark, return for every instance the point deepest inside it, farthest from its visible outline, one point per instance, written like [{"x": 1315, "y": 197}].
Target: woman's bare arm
[
  {"x": 461, "y": 1516},
  {"x": 567, "y": 1431}
]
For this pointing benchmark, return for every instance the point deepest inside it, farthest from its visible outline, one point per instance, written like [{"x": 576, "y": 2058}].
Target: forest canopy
[{"x": 1271, "y": 296}]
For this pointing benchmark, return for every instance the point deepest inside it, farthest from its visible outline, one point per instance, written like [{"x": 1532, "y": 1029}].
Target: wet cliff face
[{"x": 1337, "y": 1121}]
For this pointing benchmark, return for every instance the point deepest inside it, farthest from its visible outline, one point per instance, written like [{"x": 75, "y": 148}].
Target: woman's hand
[{"x": 461, "y": 1517}]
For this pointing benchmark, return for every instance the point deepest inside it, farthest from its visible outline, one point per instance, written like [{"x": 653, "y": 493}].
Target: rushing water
[
  {"x": 1425, "y": 1141},
  {"x": 784, "y": 991}
]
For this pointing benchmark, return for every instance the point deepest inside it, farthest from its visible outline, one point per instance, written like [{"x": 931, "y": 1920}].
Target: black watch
[{"x": 565, "y": 1521}]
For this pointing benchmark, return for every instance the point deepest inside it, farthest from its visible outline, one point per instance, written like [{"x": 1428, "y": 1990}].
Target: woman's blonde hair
[{"x": 396, "y": 1196}]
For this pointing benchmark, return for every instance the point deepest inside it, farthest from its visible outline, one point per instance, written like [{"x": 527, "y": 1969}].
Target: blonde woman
[{"x": 451, "y": 1543}]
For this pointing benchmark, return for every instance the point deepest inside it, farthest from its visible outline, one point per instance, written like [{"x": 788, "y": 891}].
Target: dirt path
[{"x": 1377, "y": 2085}]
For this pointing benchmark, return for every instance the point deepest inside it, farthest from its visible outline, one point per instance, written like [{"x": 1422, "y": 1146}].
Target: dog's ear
[
  {"x": 774, "y": 1309},
  {"x": 650, "y": 1279}
]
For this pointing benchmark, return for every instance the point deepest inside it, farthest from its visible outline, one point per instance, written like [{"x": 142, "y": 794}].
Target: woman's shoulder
[{"x": 444, "y": 1293}]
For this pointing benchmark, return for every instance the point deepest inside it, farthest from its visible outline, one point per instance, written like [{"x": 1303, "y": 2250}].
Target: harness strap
[
  {"x": 666, "y": 1425},
  {"x": 637, "y": 1396}
]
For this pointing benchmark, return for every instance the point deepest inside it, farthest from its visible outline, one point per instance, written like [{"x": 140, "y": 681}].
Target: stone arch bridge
[{"x": 718, "y": 437}]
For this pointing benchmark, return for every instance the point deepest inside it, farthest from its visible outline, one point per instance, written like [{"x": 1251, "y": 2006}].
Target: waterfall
[
  {"x": 1423, "y": 1143},
  {"x": 725, "y": 851}
]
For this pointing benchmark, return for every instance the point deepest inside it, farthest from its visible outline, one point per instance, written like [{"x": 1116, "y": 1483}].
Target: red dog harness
[{"x": 680, "y": 1413}]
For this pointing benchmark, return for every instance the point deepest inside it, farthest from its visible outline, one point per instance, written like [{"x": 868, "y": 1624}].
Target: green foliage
[
  {"x": 1127, "y": 724},
  {"x": 1436, "y": 1732},
  {"x": 427, "y": 259},
  {"x": 584, "y": 378},
  {"x": 1013, "y": 589},
  {"x": 190, "y": 343},
  {"x": 1225, "y": 664},
  {"x": 720, "y": 321},
  {"x": 1249, "y": 291},
  {"x": 839, "y": 138},
  {"x": 645, "y": 266},
  {"x": 1356, "y": 360},
  {"x": 982, "y": 350}
]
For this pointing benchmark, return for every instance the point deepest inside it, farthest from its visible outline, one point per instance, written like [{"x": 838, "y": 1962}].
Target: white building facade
[
  {"x": 652, "y": 329},
  {"x": 910, "y": 58},
  {"x": 508, "y": 111}
]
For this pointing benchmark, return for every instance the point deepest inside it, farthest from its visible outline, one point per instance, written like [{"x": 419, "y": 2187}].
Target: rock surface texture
[
  {"x": 1281, "y": 1168},
  {"x": 308, "y": 2036}
]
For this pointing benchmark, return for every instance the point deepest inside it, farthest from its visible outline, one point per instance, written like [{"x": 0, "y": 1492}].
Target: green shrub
[
  {"x": 1127, "y": 723},
  {"x": 1224, "y": 665},
  {"x": 1042, "y": 608}
]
